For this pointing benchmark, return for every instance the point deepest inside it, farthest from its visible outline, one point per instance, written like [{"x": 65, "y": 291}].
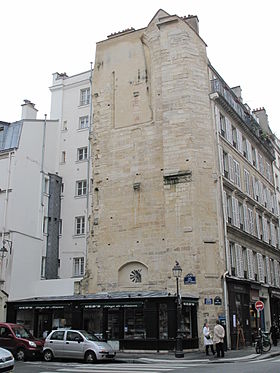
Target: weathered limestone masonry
[{"x": 155, "y": 164}]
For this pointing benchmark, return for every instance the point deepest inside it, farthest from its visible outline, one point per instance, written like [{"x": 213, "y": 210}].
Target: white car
[
  {"x": 7, "y": 361},
  {"x": 76, "y": 344}
]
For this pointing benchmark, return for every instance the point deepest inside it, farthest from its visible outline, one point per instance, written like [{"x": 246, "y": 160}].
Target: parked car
[
  {"x": 76, "y": 344},
  {"x": 7, "y": 361},
  {"x": 19, "y": 341}
]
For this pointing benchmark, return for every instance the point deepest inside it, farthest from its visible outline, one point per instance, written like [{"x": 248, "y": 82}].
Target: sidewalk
[{"x": 247, "y": 353}]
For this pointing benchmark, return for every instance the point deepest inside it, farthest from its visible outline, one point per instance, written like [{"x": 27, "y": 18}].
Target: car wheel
[
  {"x": 48, "y": 356},
  {"x": 90, "y": 357},
  {"x": 20, "y": 354}
]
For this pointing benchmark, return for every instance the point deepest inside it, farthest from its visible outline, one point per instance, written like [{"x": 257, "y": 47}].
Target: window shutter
[
  {"x": 275, "y": 204},
  {"x": 260, "y": 267},
  {"x": 254, "y": 186},
  {"x": 230, "y": 166},
  {"x": 268, "y": 270},
  {"x": 260, "y": 192},
  {"x": 273, "y": 234},
  {"x": 235, "y": 212},
  {"x": 228, "y": 130},
  {"x": 251, "y": 221},
  {"x": 278, "y": 237},
  {"x": 276, "y": 272},
  {"x": 221, "y": 160},
  {"x": 218, "y": 122},
  {"x": 258, "y": 226},
  {"x": 225, "y": 207},
  {"x": 246, "y": 219},
  {"x": 237, "y": 174},
  {"x": 265, "y": 230},
  {"x": 249, "y": 151},
  {"x": 268, "y": 198},
  {"x": 250, "y": 260},
  {"x": 239, "y": 261},
  {"x": 265, "y": 196},
  {"x": 257, "y": 159},
  {"x": 239, "y": 140},
  {"x": 247, "y": 181},
  {"x": 228, "y": 257}
]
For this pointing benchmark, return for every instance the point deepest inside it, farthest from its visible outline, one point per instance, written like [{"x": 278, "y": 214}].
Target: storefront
[
  {"x": 274, "y": 295},
  {"x": 144, "y": 320}
]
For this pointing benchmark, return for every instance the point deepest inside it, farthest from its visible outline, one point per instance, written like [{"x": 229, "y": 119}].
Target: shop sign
[
  {"x": 48, "y": 307},
  {"x": 25, "y": 307},
  {"x": 189, "y": 279},
  {"x": 208, "y": 301},
  {"x": 218, "y": 301},
  {"x": 114, "y": 305},
  {"x": 189, "y": 304}
]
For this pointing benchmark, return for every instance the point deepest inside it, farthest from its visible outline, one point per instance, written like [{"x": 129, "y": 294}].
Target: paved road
[{"x": 271, "y": 365}]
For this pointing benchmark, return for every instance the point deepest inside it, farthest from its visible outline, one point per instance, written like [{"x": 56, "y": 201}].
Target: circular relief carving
[{"x": 135, "y": 275}]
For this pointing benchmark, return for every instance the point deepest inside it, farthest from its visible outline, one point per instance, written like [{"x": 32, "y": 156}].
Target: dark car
[{"x": 22, "y": 344}]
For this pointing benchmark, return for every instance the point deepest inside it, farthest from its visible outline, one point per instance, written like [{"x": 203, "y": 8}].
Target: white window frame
[
  {"x": 80, "y": 225},
  {"x": 82, "y": 154},
  {"x": 78, "y": 266},
  {"x": 83, "y": 122},
  {"x": 81, "y": 188},
  {"x": 84, "y": 96}
]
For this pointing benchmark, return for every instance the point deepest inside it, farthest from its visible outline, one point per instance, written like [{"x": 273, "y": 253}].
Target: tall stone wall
[{"x": 156, "y": 195}]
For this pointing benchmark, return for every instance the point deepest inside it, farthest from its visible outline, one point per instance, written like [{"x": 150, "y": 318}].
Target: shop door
[
  {"x": 44, "y": 324},
  {"x": 113, "y": 329}
]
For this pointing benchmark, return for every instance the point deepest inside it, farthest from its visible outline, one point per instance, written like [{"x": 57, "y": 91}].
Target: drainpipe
[
  {"x": 43, "y": 159},
  {"x": 89, "y": 162},
  {"x": 226, "y": 310}
]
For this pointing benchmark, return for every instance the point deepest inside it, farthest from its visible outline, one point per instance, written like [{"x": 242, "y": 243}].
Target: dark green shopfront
[{"x": 134, "y": 320}]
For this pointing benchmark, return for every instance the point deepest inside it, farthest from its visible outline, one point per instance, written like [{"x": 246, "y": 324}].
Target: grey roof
[
  {"x": 9, "y": 135},
  {"x": 106, "y": 296}
]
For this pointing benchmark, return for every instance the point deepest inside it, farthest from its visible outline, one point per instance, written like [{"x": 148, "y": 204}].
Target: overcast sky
[{"x": 40, "y": 37}]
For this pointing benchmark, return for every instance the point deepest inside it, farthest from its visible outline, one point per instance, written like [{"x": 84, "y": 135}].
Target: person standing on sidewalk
[
  {"x": 207, "y": 339},
  {"x": 218, "y": 339}
]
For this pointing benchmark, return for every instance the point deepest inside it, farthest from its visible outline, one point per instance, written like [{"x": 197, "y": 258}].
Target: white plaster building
[{"x": 44, "y": 168}]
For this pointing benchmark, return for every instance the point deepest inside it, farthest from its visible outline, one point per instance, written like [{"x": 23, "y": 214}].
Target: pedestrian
[
  {"x": 208, "y": 341},
  {"x": 274, "y": 333},
  {"x": 218, "y": 339}
]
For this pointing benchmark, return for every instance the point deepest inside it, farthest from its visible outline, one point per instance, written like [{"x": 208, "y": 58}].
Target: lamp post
[{"x": 177, "y": 272}]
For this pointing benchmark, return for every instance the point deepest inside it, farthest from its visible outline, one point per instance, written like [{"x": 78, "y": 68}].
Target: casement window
[
  {"x": 223, "y": 125},
  {"x": 246, "y": 181},
  {"x": 255, "y": 267},
  {"x": 273, "y": 231},
  {"x": 232, "y": 258},
  {"x": 264, "y": 268},
  {"x": 249, "y": 151},
  {"x": 259, "y": 226},
  {"x": 81, "y": 188},
  {"x": 84, "y": 96},
  {"x": 245, "y": 261},
  {"x": 83, "y": 122},
  {"x": 79, "y": 225},
  {"x": 239, "y": 140},
  {"x": 228, "y": 130},
  {"x": 236, "y": 170},
  {"x": 256, "y": 188},
  {"x": 241, "y": 215},
  {"x": 234, "y": 137},
  {"x": 78, "y": 267},
  {"x": 82, "y": 153},
  {"x": 63, "y": 157},
  {"x": 244, "y": 146},
  {"x": 246, "y": 218},
  {"x": 271, "y": 265},
  {"x": 254, "y": 157}
]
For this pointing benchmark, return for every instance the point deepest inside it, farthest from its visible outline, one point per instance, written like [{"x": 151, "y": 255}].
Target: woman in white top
[{"x": 208, "y": 341}]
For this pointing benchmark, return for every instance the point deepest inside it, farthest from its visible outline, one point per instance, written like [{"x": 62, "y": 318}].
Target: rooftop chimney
[
  {"x": 237, "y": 91},
  {"x": 192, "y": 21},
  {"x": 263, "y": 119},
  {"x": 28, "y": 110}
]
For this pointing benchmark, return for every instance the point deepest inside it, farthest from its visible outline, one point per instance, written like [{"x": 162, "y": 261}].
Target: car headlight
[{"x": 32, "y": 344}]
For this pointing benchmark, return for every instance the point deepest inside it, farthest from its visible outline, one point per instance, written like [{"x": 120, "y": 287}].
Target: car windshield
[
  {"x": 89, "y": 336},
  {"x": 21, "y": 332}
]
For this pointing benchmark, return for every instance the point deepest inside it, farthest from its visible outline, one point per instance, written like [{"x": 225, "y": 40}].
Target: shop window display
[{"x": 134, "y": 323}]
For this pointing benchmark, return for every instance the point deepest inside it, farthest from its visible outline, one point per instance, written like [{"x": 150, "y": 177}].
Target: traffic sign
[{"x": 259, "y": 305}]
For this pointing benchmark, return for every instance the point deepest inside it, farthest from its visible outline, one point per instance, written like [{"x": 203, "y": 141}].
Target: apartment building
[{"x": 46, "y": 211}]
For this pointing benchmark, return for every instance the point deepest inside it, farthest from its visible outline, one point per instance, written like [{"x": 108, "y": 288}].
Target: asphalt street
[{"x": 271, "y": 365}]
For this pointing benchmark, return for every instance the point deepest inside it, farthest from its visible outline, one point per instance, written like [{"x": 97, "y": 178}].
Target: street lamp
[{"x": 177, "y": 273}]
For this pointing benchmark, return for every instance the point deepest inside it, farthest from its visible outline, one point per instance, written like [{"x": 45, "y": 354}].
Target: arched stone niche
[{"x": 132, "y": 273}]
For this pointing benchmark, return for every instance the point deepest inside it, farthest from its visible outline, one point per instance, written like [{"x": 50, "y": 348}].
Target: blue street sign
[{"x": 189, "y": 279}]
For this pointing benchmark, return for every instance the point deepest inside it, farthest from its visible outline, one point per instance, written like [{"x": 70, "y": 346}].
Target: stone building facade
[{"x": 180, "y": 172}]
